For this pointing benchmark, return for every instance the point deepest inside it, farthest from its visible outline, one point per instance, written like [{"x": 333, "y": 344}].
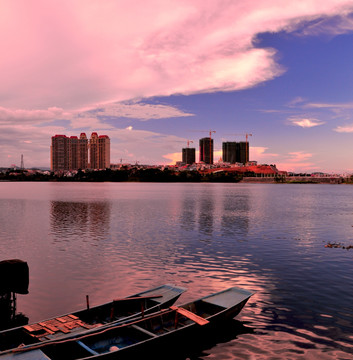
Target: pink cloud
[
  {"x": 93, "y": 51},
  {"x": 297, "y": 162},
  {"x": 305, "y": 122},
  {"x": 30, "y": 116},
  {"x": 260, "y": 154},
  {"x": 344, "y": 129}
]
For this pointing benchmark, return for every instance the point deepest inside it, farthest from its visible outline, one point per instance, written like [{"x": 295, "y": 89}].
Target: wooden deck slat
[{"x": 190, "y": 315}]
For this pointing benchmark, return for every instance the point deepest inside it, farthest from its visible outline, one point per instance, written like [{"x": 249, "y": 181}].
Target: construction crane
[
  {"x": 188, "y": 142},
  {"x": 246, "y": 135}
]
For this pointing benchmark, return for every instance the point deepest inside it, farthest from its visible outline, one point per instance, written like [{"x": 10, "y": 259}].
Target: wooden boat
[
  {"x": 118, "y": 311},
  {"x": 143, "y": 338}
]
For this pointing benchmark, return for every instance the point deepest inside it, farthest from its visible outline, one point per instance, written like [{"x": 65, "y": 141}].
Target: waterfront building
[
  {"x": 235, "y": 152},
  {"x": 188, "y": 156},
  {"x": 206, "y": 150},
  {"x": 103, "y": 152},
  {"x": 83, "y": 152},
  {"x": 99, "y": 151},
  {"x": 59, "y": 159},
  {"x": 93, "y": 151},
  {"x": 229, "y": 152},
  {"x": 242, "y": 152},
  {"x": 71, "y": 153}
]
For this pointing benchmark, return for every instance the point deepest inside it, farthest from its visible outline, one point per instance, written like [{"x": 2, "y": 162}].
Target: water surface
[{"x": 110, "y": 240}]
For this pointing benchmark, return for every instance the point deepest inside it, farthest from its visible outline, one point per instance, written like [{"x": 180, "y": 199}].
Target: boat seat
[
  {"x": 144, "y": 330},
  {"x": 91, "y": 351}
]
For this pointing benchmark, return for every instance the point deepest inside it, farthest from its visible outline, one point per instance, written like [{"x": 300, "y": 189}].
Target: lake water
[{"x": 111, "y": 240}]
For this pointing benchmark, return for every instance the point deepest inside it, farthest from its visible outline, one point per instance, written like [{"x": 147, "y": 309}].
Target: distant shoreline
[{"x": 167, "y": 176}]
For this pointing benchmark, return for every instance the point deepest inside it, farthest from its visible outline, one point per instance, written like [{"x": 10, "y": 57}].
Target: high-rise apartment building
[
  {"x": 59, "y": 150},
  {"x": 242, "y": 152},
  {"x": 103, "y": 152},
  {"x": 83, "y": 151},
  {"x": 235, "y": 152},
  {"x": 71, "y": 153},
  {"x": 93, "y": 151},
  {"x": 188, "y": 155},
  {"x": 206, "y": 150},
  {"x": 229, "y": 152}
]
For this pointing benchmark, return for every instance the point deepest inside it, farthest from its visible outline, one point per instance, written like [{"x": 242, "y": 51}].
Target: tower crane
[
  {"x": 188, "y": 142},
  {"x": 246, "y": 135}
]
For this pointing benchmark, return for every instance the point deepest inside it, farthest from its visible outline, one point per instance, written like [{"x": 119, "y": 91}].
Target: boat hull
[{"x": 99, "y": 317}]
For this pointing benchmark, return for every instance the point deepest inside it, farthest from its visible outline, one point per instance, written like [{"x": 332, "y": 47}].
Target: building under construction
[
  {"x": 189, "y": 156},
  {"x": 206, "y": 150},
  {"x": 235, "y": 152}
]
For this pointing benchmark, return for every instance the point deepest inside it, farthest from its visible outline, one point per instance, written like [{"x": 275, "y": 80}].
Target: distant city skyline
[{"x": 280, "y": 71}]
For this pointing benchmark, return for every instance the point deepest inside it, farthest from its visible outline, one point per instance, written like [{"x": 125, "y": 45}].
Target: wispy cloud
[
  {"x": 344, "y": 129},
  {"x": 139, "y": 110},
  {"x": 305, "y": 122},
  {"x": 331, "y": 26},
  {"x": 11, "y": 116},
  {"x": 260, "y": 154},
  {"x": 297, "y": 161},
  {"x": 348, "y": 105}
]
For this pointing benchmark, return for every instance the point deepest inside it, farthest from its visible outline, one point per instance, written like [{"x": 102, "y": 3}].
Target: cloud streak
[
  {"x": 344, "y": 129},
  {"x": 139, "y": 110}
]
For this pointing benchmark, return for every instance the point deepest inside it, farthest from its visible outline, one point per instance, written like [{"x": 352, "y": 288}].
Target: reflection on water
[
  {"x": 112, "y": 240},
  {"x": 206, "y": 212},
  {"x": 81, "y": 219}
]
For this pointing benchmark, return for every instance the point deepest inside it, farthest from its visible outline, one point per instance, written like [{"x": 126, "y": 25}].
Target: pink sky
[{"x": 61, "y": 59}]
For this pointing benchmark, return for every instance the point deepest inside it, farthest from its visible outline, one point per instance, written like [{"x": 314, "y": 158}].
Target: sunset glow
[{"x": 153, "y": 76}]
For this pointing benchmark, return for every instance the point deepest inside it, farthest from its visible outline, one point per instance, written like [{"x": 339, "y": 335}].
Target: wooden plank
[
  {"x": 61, "y": 319},
  {"x": 190, "y": 315},
  {"x": 51, "y": 327},
  {"x": 64, "y": 329},
  {"x": 31, "y": 328}
]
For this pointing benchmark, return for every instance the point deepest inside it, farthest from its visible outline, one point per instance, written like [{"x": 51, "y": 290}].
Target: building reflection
[
  {"x": 68, "y": 219},
  {"x": 206, "y": 213},
  {"x": 188, "y": 213},
  {"x": 216, "y": 210},
  {"x": 235, "y": 216}
]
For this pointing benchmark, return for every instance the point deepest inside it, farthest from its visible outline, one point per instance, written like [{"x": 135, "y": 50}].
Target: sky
[{"x": 156, "y": 75}]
